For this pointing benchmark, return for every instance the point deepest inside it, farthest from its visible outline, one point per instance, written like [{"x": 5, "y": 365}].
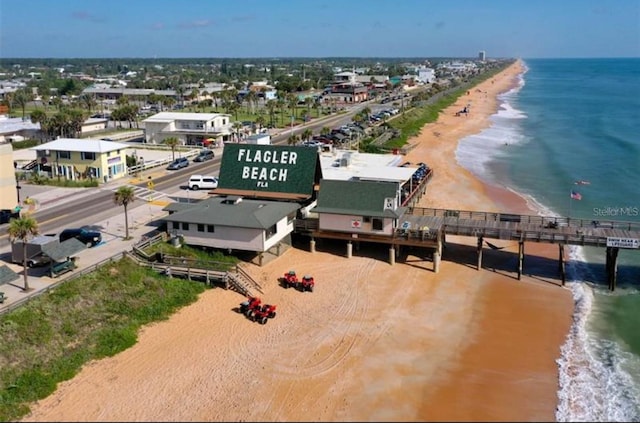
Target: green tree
[
  {"x": 308, "y": 101},
  {"x": 236, "y": 127},
  {"x": 40, "y": 116},
  {"x": 292, "y": 103},
  {"x": 272, "y": 105},
  {"x": 259, "y": 122},
  {"x": 168, "y": 102},
  {"x": 172, "y": 142},
  {"x": 88, "y": 102},
  {"x": 21, "y": 99},
  {"x": 22, "y": 229},
  {"x": 306, "y": 134},
  {"x": 293, "y": 139},
  {"x": 123, "y": 197},
  {"x": 251, "y": 98}
]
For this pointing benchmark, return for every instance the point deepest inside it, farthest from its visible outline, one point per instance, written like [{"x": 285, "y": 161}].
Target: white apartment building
[{"x": 189, "y": 128}]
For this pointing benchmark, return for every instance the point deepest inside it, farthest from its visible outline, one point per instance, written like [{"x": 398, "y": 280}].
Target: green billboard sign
[{"x": 268, "y": 168}]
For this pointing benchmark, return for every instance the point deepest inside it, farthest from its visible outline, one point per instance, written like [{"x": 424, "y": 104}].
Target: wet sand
[{"x": 373, "y": 342}]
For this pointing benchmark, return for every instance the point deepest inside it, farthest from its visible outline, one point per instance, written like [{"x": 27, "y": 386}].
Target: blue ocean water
[{"x": 579, "y": 120}]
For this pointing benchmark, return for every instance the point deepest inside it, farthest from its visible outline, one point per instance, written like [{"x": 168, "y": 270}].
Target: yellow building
[
  {"x": 8, "y": 191},
  {"x": 77, "y": 159}
]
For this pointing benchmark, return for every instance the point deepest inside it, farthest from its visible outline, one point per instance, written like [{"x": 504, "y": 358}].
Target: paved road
[{"x": 59, "y": 208}]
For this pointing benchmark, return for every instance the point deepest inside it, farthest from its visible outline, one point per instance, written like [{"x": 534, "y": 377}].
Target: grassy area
[
  {"x": 49, "y": 339},
  {"x": 411, "y": 122},
  {"x": 22, "y": 145},
  {"x": 202, "y": 259},
  {"x": 62, "y": 182}
]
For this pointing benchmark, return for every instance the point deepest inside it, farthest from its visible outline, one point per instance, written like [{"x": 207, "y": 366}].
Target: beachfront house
[
  {"x": 354, "y": 206},
  {"x": 232, "y": 223}
]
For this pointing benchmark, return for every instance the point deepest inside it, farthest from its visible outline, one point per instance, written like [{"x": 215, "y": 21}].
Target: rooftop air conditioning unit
[{"x": 346, "y": 159}]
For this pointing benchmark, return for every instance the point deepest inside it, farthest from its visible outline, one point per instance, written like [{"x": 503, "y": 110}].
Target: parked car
[
  {"x": 203, "y": 181},
  {"x": 7, "y": 214},
  {"x": 178, "y": 163},
  {"x": 87, "y": 237},
  {"x": 204, "y": 155}
]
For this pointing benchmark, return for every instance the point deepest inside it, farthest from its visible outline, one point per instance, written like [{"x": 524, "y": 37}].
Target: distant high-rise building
[{"x": 482, "y": 55}]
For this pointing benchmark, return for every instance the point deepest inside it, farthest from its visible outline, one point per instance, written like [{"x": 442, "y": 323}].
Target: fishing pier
[{"x": 429, "y": 227}]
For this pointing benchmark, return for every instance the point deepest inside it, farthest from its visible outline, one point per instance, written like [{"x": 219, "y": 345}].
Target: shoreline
[
  {"x": 505, "y": 308},
  {"x": 372, "y": 342}
]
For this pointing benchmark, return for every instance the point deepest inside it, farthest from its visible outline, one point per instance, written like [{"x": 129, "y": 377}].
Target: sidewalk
[{"x": 142, "y": 221}]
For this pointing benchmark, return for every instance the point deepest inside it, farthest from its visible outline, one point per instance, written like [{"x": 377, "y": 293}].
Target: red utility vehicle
[
  {"x": 290, "y": 280},
  {"x": 307, "y": 283},
  {"x": 249, "y": 304},
  {"x": 262, "y": 314}
]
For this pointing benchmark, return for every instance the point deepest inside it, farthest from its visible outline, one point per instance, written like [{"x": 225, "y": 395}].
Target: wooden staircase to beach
[{"x": 234, "y": 278}]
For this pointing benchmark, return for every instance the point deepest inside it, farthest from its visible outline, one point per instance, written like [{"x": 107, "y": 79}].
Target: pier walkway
[{"x": 429, "y": 227}]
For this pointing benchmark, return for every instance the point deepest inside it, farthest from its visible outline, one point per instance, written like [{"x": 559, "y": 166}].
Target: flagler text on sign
[{"x": 261, "y": 174}]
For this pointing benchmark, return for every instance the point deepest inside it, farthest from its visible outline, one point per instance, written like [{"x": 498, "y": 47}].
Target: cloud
[
  {"x": 86, "y": 16},
  {"x": 202, "y": 23}
]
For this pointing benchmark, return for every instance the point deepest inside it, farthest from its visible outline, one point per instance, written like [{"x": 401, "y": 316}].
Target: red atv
[
  {"x": 290, "y": 280},
  {"x": 262, "y": 314},
  {"x": 251, "y": 304},
  {"x": 307, "y": 283}
]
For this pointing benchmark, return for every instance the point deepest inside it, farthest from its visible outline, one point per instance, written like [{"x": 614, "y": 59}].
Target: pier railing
[{"x": 550, "y": 222}]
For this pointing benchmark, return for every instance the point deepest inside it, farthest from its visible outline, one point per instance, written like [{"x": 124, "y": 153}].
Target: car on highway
[
  {"x": 204, "y": 155},
  {"x": 178, "y": 163},
  {"x": 197, "y": 182}
]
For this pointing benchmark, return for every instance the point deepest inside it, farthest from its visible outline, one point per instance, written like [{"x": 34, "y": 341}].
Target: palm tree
[
  {"x": 123, "y": 197},
  {"x": 259, "y": 122},
  {"x": 88, "y": 101},
  {"x": 272, "y": 105},
  {"x": 293, "y": 139},
  {"x": 22, "y": 229},
  {"x": 236, "y": 127},
  {"x": 306, "y": 134},
  {"x": 173, "y": 143},
  {"x": 22, "y": 99}
]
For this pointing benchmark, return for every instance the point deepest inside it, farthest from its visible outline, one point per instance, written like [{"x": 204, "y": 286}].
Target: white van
[{"x": 197, "y": 182}]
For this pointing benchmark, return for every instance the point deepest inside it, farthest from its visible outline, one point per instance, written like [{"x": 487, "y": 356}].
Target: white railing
[{"x": 134, "y": 170}]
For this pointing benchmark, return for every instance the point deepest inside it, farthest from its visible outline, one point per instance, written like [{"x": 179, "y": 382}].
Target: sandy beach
[{"x": 373, "y": 342}]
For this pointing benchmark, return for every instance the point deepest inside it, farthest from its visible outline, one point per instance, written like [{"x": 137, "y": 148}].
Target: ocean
[{"x": 573, "y": 120}]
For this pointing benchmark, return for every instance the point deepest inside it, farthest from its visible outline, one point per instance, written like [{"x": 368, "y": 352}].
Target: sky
[{"x": 319, "y": 28}]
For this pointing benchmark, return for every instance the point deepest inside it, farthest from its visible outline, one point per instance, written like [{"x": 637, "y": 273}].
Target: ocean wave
[
  {"x": 594, "y": 384},
  {"x": 476, "y": 152}
]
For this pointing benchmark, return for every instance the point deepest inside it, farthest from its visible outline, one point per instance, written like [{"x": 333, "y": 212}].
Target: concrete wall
[{"x": 8, "y": 192}]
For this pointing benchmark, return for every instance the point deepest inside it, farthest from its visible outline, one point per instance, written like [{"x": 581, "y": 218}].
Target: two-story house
[
  {"x": 189, "y": 128},
  {"x": 74, "y": 158}
]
